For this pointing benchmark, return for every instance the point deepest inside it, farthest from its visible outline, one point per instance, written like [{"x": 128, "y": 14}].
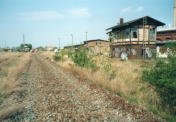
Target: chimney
[
  {"x": 174, "y": 14},
  {"x": 121, "y": 21}
]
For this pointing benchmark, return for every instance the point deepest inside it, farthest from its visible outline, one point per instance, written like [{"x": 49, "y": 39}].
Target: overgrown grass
[
  {"x": 11, "y": 66},
  {"x": 120, "y": 77},
  {"x": 2, "y": 97}
]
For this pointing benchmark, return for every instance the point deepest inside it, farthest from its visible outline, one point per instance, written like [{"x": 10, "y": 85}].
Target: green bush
[
  {"x": 5, "y": 50},
  {"x": 81, "y": 58},
  {"x": 163, "y": 77},
  {"x": 69, "y": 53},
  {"x": 171, "y": 45},
  {"x": 93, "y": 66},
  {"x": 57, "y": 58}
]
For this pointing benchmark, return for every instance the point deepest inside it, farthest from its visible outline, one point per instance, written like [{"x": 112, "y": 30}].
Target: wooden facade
[{"x": 136, "y": 38}]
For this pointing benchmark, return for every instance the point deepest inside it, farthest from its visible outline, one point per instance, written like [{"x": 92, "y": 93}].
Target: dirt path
[{"x": 56, "y": 95}]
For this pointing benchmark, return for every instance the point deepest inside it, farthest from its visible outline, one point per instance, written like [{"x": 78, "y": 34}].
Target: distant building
[
  {"x": 74, "y": 46},
  {"x": 49, "y": 48},
  {"x": 97, "y": 46},
  {"x": 134, "y": 39},
  {"x": 26, "y": 48},
  {"x": 166, "y": 34}
]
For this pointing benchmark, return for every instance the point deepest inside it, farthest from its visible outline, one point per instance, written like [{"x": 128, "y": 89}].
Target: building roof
[
  {"x": 166, "y": 30},
  {"x": 78, "y": 45},
  {"x": 164, "y": 42},
  {"x": 139, "y": 21},
  {"x": 95, "y": 40},
  {"x": 49, "y": 47}
]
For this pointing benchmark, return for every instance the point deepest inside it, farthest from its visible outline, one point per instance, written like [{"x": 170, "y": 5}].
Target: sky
[{"x": 45, "y": 22}]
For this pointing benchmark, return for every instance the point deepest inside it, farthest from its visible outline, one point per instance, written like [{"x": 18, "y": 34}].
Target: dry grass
[
  {"x": 127, "y": 81},
  {"x": 12, "y": 64}
]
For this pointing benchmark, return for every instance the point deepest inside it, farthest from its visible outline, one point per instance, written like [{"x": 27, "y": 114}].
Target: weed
[
  {"x": 93, "y": 66},
  {"x": 82, "y": 59},
  {"x": 112, "y": 76},
  {"x": 107, "y": 67},
  {"x": 57, "y": 58},
  {"x": 153, "y": 110},
  {"x": 2, "y": 97},
  {"x": 132, "y": 100},
  {"x": 10, "y": 73},
  {"x": 70, "y": 54}
]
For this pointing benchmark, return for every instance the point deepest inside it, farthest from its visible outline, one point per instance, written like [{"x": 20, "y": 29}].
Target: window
[
  {"x": 152, "y": 34},
  {"x": 134, "y": 33},
  {"x": 127, "y": 33},
  {"x": 168, "y": 38}
]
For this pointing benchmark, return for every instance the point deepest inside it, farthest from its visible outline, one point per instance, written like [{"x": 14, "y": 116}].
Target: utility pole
[
  {"x": 72, "y": 39},
  {"x": 23, "y": 39},
  {"x": 5, "y": 44},
  {"x": 86, "y": 39},
  {"x": 86, "y": 36},
  {"x": 59, "y": 43},
  {"x": 174, "y": 16}
]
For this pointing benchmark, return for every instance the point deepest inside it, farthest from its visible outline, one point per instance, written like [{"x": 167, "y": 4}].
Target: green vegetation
[
  {"x": 163, "y": 78},
  {"x": 5, "y": 50},
  {"x": 41, "y": 48},
  {"x": 81, "y": 58},
  {"x": 2, "y": 97},
  {"x": 59, "y": 56},
  {"x": 171, "y": 45},
  {"x": 22, "y": 47}
]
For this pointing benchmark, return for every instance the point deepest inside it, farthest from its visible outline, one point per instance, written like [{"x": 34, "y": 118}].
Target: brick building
[
  {"x": 97, "y": 46},
  {"x": 166, "y": 34}
]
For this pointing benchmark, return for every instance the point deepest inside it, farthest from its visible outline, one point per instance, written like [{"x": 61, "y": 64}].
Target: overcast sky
[{"x": 44, "y": 22}]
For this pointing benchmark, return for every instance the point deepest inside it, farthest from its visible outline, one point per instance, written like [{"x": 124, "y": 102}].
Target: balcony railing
[{"x": 133, "y": 42}]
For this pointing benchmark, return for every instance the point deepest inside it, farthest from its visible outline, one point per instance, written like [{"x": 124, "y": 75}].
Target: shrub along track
[{"x": 55, "y": 94}]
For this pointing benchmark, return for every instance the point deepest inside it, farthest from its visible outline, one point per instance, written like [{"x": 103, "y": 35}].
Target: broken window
[{"x": 134, "y": 33}]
